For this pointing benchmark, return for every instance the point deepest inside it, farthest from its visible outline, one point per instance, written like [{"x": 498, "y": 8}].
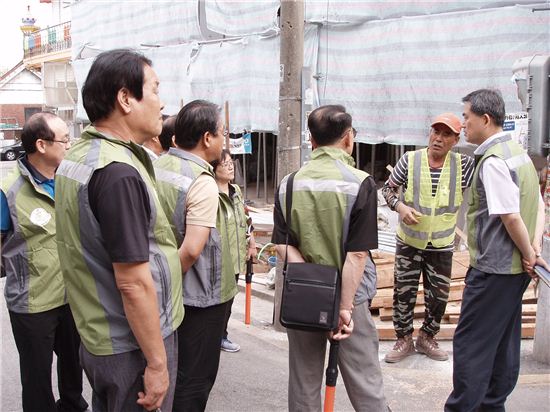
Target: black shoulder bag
[{"x": 311, "y": 292}]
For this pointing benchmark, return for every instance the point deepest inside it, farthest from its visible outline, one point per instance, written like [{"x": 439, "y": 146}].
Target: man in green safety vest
[
  {"x": 188, "y": 194},
  {"x": 433, "y": 180},
  {"x": 118, "y": 255},
  {"x": 505, "y": 225},
  {"x": 36, "y": 299},
  {"x": 333, "y": 223}
]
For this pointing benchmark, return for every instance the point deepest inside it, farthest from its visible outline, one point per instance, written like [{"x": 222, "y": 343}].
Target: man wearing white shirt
[{"x": 505, "y": 223}]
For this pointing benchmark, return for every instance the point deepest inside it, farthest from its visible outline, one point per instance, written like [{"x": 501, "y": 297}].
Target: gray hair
[{"x": 487, "y": 101}]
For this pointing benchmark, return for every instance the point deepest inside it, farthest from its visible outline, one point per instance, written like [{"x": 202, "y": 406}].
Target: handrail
[{"x": 48, "y": 40}]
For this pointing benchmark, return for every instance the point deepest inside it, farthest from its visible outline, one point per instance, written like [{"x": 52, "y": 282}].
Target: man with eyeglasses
[
  {"x": 41, "y": 320},
  {"x": 189, "y": 196},
  {"x": 433, "y": 180}
]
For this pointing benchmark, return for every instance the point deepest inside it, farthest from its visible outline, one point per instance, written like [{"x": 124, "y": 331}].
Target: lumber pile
[{"x": 382, "y": 304}]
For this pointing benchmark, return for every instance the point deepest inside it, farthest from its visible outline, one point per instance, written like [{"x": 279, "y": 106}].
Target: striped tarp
[{"x": 393, "y": 64}]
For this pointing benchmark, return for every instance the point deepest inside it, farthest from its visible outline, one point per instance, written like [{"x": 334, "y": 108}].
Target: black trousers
[
  {"x": 37, "y": 336},
  {"x": 228, "y": 311},
  {"x": 486, "y": 344},
  {"x": 199, "y": 339}
]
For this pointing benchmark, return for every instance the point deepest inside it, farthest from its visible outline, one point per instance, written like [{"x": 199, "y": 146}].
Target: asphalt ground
[{"x": 255, "y": 378}]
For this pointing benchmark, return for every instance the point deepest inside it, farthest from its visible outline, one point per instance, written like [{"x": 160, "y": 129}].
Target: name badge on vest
[{"x": 40, "y": 217}]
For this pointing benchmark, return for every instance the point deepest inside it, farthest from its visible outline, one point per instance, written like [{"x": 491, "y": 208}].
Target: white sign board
[{"x": 516, "y": 125}]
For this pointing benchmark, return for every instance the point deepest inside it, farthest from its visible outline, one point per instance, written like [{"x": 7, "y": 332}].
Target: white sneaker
[{"x": 229, "y": 346}]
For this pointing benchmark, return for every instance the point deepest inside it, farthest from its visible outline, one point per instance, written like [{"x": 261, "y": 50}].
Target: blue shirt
[{"x": 47, "y": 184}]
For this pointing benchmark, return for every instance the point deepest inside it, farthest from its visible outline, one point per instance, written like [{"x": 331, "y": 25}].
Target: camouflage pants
[{"x": 435, "y": 267}]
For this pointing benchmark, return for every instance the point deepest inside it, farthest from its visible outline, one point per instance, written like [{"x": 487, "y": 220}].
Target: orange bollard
[{"x": 248, "y": 280}]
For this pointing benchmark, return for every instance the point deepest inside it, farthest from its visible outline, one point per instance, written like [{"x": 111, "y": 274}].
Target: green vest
[
  {"x": 323, "y": 195},
  {"x": 34, "y": 282},
  {"x": 211, "y": 279},
  {"x": 232, "y": 217},
  {"x": 491, "y": 247},
  {"x": 87, "y": 268},
  {"x": 439, "y": 212}
]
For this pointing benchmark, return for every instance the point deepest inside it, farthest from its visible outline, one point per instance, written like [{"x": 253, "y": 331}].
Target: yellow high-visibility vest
[{"x": 439, "y": 212}]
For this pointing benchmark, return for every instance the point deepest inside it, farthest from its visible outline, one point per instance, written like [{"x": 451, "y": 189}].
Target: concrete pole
[{"x": 290, "y": 107}]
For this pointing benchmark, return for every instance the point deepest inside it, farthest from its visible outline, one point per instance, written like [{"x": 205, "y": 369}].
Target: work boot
[
  {"x": 427, "y": 345},
  {"x": 229, "y": 346},
  {"x": 402, "y": 348}
]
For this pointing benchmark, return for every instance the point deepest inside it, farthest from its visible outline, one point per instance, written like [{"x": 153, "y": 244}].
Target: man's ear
[
  {"x": 207, "y": 139},
  {"x": 314, "y": 144},
  {"x": 40, "y": 145},
  {"x": 123, "y": 100},
  {"x": 457, "y": 139},
  {"x": 486, "y": 119},
  {"x": 348, "y": 141}
]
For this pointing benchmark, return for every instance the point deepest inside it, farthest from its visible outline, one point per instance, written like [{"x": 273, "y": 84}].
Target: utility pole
[
  {"x": 290, "y": 90},
  {"x": 290, "y": 106}
]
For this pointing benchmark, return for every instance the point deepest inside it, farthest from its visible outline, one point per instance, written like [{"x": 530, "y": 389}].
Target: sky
[{"x": 11, "y": 37}]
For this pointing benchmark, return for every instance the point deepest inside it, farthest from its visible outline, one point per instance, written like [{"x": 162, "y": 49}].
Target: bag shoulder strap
[{"x": 289, "y": 184}]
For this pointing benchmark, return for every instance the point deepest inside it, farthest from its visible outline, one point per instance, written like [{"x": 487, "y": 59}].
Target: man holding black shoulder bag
[{"x": 326, "y": 215}]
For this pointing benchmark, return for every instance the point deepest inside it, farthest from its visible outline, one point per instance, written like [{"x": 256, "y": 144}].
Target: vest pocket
[
  {"x": 163, "y": 282},
  {"x": 16, "y": 265},
  {"x": 45, "y": 275},
  {"x": 213, "y": 269}
]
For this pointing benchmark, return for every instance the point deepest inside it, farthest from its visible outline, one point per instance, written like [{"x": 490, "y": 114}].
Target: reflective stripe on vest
[
  {"x": 181, "y": 182},
  {"x": 439, "y": 213}
]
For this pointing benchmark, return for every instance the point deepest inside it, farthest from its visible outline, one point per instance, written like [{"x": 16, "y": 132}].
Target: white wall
[{"x": 24, "y": 88}]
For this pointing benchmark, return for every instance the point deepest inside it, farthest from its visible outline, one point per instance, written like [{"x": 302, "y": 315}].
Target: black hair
[
  {"x": 168, "y": 129},
  {"x": 193, "y": 121},
  {"x": 215, "y": 163},
  {"x": 111, "y": 71},
  {"x": 487, "y": 101},
  {"x": 327, "y": 124},
  {"x": 36, "y": 128}
]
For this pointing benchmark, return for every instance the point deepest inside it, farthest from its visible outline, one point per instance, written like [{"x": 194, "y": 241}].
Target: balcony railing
[{"x": 52, "y": 39}]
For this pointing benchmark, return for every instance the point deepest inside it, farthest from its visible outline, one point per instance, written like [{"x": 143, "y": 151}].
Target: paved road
[{"x": 255, "y": 379}]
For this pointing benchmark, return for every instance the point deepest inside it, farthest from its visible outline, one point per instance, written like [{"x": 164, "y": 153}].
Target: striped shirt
[{"x": 399, "y": 177}]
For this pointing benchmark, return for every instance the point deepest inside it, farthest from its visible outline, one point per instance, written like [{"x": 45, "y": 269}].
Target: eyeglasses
[
  {"x": 227, "y": 164},
  {"x": 352, "y": 130},
  {"x": 64, "y": 141}
]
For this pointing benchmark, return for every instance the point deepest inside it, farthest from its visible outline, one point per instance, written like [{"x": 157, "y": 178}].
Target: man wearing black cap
[{"x": 433, "y": 180}]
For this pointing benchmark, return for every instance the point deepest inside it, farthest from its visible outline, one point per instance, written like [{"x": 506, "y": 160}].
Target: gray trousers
[
  {"x": 117, "y": 379},
  {"x": 357, "y": 361}
]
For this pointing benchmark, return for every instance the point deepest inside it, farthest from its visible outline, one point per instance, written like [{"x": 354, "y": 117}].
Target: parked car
[{"x": 12, "y": 151}]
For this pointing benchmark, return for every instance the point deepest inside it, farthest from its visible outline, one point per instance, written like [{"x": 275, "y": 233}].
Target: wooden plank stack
[{"x": 381, "y": 307}]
